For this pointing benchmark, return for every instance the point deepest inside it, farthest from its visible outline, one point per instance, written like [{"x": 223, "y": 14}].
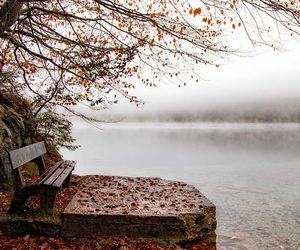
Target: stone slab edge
[
  {"x": 13, "y": 225},
  {"x": 186, "y": 227}
]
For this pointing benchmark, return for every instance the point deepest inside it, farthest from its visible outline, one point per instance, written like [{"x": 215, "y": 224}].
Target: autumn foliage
[{"x": 72, "y": 51}]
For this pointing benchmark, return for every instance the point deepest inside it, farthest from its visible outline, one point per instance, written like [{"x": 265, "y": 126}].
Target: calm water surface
[{"x": 251, "y": 172}]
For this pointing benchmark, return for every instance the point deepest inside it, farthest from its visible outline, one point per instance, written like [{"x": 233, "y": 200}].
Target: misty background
[{"x": 262, "y": 87}]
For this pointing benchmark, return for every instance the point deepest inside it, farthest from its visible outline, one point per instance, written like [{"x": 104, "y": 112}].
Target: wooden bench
[{"x": 50, "y": 181}]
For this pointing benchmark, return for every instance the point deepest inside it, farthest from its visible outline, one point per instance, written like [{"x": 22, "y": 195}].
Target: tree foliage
[
  {"x": 56, "y": 130},
  {"x": 49, "y": 126},
  {"x": 71, "y": 51}
]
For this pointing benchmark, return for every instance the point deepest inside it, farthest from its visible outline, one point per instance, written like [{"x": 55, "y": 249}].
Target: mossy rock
[{"x": 18, "y": 129}]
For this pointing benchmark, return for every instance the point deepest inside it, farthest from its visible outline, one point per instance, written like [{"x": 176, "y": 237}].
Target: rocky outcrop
[{"x": 16, "y": 129}]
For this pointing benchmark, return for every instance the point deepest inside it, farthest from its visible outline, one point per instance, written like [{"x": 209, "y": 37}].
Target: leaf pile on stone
[{"x": 118, "y": 195}]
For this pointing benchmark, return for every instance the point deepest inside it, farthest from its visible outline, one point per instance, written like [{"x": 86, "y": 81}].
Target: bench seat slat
[
  {"x": 50, "y": 171},
  {"x": 55, "y": 174},
  {"x": 23, "y": 155},
  {"x": 59, "y": 181}
]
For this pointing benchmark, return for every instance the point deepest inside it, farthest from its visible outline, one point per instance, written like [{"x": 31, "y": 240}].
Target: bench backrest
[{"x": 20, "y": 156}]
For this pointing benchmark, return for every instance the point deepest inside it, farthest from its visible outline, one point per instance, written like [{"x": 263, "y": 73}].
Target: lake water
[{"x": 251, "y": 172}]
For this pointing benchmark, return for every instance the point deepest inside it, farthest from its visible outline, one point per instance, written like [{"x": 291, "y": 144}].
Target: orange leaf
[
  {"x": 151, "y": 43},
  {"x": 197, "y": 11}
]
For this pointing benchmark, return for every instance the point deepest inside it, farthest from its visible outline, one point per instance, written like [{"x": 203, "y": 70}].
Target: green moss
[
  {"x": 199, "y": 226},
  {"x": 82, "y": 180},
  {"x": 51, "y": 149},
  {"x": 44, "y": 212},
  {"x": 212, "y": 238},
  {"x": 30, "y": 170},
  {"x": 8, "y": 185},
  {"x": 193, "y": 229}
]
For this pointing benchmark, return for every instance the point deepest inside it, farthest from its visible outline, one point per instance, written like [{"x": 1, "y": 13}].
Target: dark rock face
[
  {"x": 14, "y": 225},
  {"x": 15, "y": 130}
]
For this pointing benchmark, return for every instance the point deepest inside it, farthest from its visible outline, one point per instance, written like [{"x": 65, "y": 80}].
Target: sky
[{"x": 269, "y": 76}]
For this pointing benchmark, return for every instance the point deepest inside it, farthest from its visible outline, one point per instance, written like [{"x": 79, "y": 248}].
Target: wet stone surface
[
  {"x": 136, "y": 196},
  {"x": 139, "y": 207}
]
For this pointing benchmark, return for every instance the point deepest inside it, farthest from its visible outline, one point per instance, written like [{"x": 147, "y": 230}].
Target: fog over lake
[
  {"x": 265, "y": 87},
  {"x": 250, "y": 171}
]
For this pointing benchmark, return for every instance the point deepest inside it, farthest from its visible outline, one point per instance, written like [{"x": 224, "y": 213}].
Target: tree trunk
[{"x": 9, "y": 14}]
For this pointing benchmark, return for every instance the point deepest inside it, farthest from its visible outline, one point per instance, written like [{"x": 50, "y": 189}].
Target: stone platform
[{"x": 139, "y": 208}]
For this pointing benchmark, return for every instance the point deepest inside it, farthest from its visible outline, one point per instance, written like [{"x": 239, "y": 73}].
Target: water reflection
[{"x": 250, "y": 171}]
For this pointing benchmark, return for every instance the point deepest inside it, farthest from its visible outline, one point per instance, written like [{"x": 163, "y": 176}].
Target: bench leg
[
  {"x": 67, "y": 181},
  {"x": 48, "y": 197},
  {"x": 20, "y": 196}
]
